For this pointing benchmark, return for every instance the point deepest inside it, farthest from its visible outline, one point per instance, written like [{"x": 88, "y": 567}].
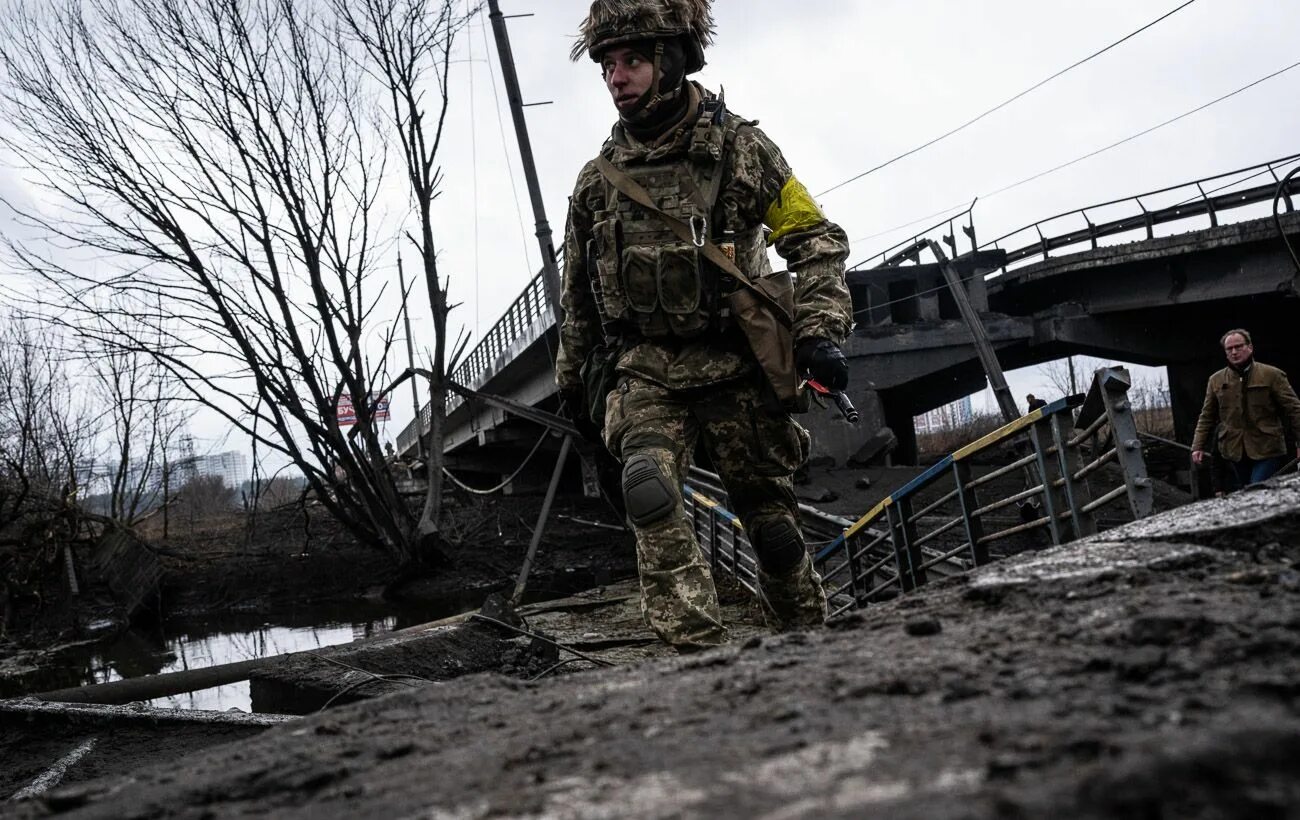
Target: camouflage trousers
[{"x": 755, "y": 454}]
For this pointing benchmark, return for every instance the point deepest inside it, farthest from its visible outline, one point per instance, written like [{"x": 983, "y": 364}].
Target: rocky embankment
[{"x": 1153, "y": 671}]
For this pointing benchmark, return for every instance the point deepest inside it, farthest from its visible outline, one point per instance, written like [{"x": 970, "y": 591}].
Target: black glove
[
  {"x": 822, "y": 359},
  {"x": 573, "y": 405}
]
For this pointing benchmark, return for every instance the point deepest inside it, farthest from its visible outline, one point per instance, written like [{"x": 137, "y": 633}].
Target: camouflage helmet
[{"x": 614, "y": 22}]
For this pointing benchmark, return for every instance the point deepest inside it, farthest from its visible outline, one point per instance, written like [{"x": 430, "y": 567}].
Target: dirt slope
[{"x": 1151, "y": 672}]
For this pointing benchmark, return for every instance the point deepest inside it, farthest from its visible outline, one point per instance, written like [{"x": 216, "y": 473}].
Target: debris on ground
[{"x": 1149, "y": 671}]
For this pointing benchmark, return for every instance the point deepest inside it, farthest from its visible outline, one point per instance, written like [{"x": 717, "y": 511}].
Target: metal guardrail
[
  {"x": 865, "y": 564},
  {"x": 1207, "y": 197},
  {"x": 1225, "y": 192},
  {"x": 899, "y": 289},
  {"x": 903, "y": 251},
  {"x": 522, "y": 314}
]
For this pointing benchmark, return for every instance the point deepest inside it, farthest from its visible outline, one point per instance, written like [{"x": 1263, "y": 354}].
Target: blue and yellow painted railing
[
  {"x": 740, "y": 563},
  {"x": 945, "y": 465},
  {"x": 865, "y": 553},
  {"x": 861, "y": 554},
  {"x": 909, "y": 562}
]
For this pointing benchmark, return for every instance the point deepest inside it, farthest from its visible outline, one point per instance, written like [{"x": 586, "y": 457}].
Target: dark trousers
[{"x": 1253, "y": 471}]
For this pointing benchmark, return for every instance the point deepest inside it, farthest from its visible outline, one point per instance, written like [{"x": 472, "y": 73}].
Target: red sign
[{"x": 347, "y": 413}]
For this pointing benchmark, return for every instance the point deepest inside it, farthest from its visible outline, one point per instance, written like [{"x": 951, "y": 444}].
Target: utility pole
[
  {"x": 410, "y": 360},
  {"x": 550, "y": 270},
  {"x": 992, "y": 368}
]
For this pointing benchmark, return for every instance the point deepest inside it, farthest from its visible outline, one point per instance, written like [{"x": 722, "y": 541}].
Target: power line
[
  {"x": 1143, "y": 132},
  {"x": 1007, "y": 102},
  {"x": 473, "y": 152},
  {"x": 1096, "y": 152},
  {"x": 941, "y": 212},
  {"x": 505, "y": 147}
]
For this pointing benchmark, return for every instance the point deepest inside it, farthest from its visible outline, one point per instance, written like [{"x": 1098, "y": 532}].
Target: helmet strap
[{"x": 657, "y": 88}]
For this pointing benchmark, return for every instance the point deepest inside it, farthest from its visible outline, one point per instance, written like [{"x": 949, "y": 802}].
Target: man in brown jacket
[{"x": 1253, "y": 406}]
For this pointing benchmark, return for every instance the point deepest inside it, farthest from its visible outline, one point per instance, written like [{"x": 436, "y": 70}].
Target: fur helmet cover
[{"x": 620, "y": 21}]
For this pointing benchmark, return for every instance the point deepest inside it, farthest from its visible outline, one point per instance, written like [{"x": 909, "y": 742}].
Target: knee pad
[
  {"x": 778, "y": 545},
  {"x": 646, "y": 493}
]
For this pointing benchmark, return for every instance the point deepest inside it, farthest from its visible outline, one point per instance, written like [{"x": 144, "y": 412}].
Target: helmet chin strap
[
  {"x": 654, "y": 95},
  {"x": 658, "y": 75}
]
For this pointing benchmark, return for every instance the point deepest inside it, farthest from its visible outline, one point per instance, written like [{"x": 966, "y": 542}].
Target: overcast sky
[{"x": 842, "y": 86}]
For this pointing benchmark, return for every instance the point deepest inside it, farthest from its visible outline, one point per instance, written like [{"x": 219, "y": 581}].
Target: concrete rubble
[{"x": 1151, "y": 671}]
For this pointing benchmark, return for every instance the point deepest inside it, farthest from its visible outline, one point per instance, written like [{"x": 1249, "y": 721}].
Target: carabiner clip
[{"x": 698, "y": 235}]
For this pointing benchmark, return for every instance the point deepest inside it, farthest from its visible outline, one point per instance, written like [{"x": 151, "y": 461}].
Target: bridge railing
[
  {"x": 1205, "y": 198},
  {"x": 1208, "y": 197},
  {"x": 530, "y": 306},
  {"x": 720, "y": 534},
  {"x": 898, "y": 545},
  {"x": 905, "y": 250}
]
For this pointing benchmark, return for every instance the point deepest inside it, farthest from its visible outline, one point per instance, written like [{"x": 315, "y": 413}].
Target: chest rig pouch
[{"x": 646, "y": 278}]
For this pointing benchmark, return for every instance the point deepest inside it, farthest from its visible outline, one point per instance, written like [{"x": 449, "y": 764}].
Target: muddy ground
[
  {"x": 292, "y": 563},
  {"x": 291, "y": 559},
  {"x": 1150, "y": 672},
  {"x": 485, "y": 540}
]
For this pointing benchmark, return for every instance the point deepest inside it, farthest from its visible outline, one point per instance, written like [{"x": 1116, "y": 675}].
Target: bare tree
[
  {"x": 406, "y": 41},
  {"x": 1070, "y": 375},
  {"x": 46, "y": 436},
  {"x": 1152, "y": 407},
  {"x": 47, "y": 431},
  {"x": 144, "y": 419},
  {"x": 228, "y": 160},
  {"x": 204, "y": 496}
]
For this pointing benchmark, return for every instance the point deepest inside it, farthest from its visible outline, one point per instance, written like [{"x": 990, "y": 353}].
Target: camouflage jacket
[{"x": 759, "y": 192}]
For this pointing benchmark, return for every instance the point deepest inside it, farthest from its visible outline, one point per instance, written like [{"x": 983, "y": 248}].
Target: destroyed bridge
[{"x": 1150, "y": 279}]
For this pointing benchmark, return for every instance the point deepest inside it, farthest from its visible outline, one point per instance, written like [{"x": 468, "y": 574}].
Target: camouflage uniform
[{"x": 673, "y": 390}]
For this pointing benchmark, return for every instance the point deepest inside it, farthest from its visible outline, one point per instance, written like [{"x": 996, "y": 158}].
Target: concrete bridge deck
[{"x": 1160, "y": 300}]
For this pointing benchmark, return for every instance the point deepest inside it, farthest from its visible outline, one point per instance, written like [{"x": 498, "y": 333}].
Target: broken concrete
[
  {"x": 604, "y": 627},
  {"x": 1153, "y": 671},
  {"x": 48, "y": 745}
]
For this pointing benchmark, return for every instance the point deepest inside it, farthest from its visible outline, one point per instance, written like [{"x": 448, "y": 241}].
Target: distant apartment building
[
  {"x": 948, "y": 417},
  {"x": 95, "y": 477},
  {"x": 232, "y": 466}
]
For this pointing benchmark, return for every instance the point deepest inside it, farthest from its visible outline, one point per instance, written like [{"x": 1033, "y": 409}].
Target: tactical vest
[{"x": 646, "y": 281}]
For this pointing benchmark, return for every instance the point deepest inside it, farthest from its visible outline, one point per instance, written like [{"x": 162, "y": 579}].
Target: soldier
[{"x": 676, "y": 328}]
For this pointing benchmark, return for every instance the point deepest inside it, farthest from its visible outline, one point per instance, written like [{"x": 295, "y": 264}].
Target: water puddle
[
  {"x": 195, "y": 643},
  {"x": 193, "y": 652}
]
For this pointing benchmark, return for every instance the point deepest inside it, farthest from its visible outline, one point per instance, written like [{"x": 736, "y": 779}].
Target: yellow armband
[{"x": 794, "y": 210}]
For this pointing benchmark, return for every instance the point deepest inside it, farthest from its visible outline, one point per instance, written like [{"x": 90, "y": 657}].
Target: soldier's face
[
  {"x": 1236, "y": 349},
  {"x": 628, "y": 76}
]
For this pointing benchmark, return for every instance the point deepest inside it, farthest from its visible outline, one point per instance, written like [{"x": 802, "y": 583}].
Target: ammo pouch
[
  {"x": 599, "y": 379},
  {"x": 664, "y": 287},
  {"x": 762, "y": 308},
  {"x": 644, "y": 277}
]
